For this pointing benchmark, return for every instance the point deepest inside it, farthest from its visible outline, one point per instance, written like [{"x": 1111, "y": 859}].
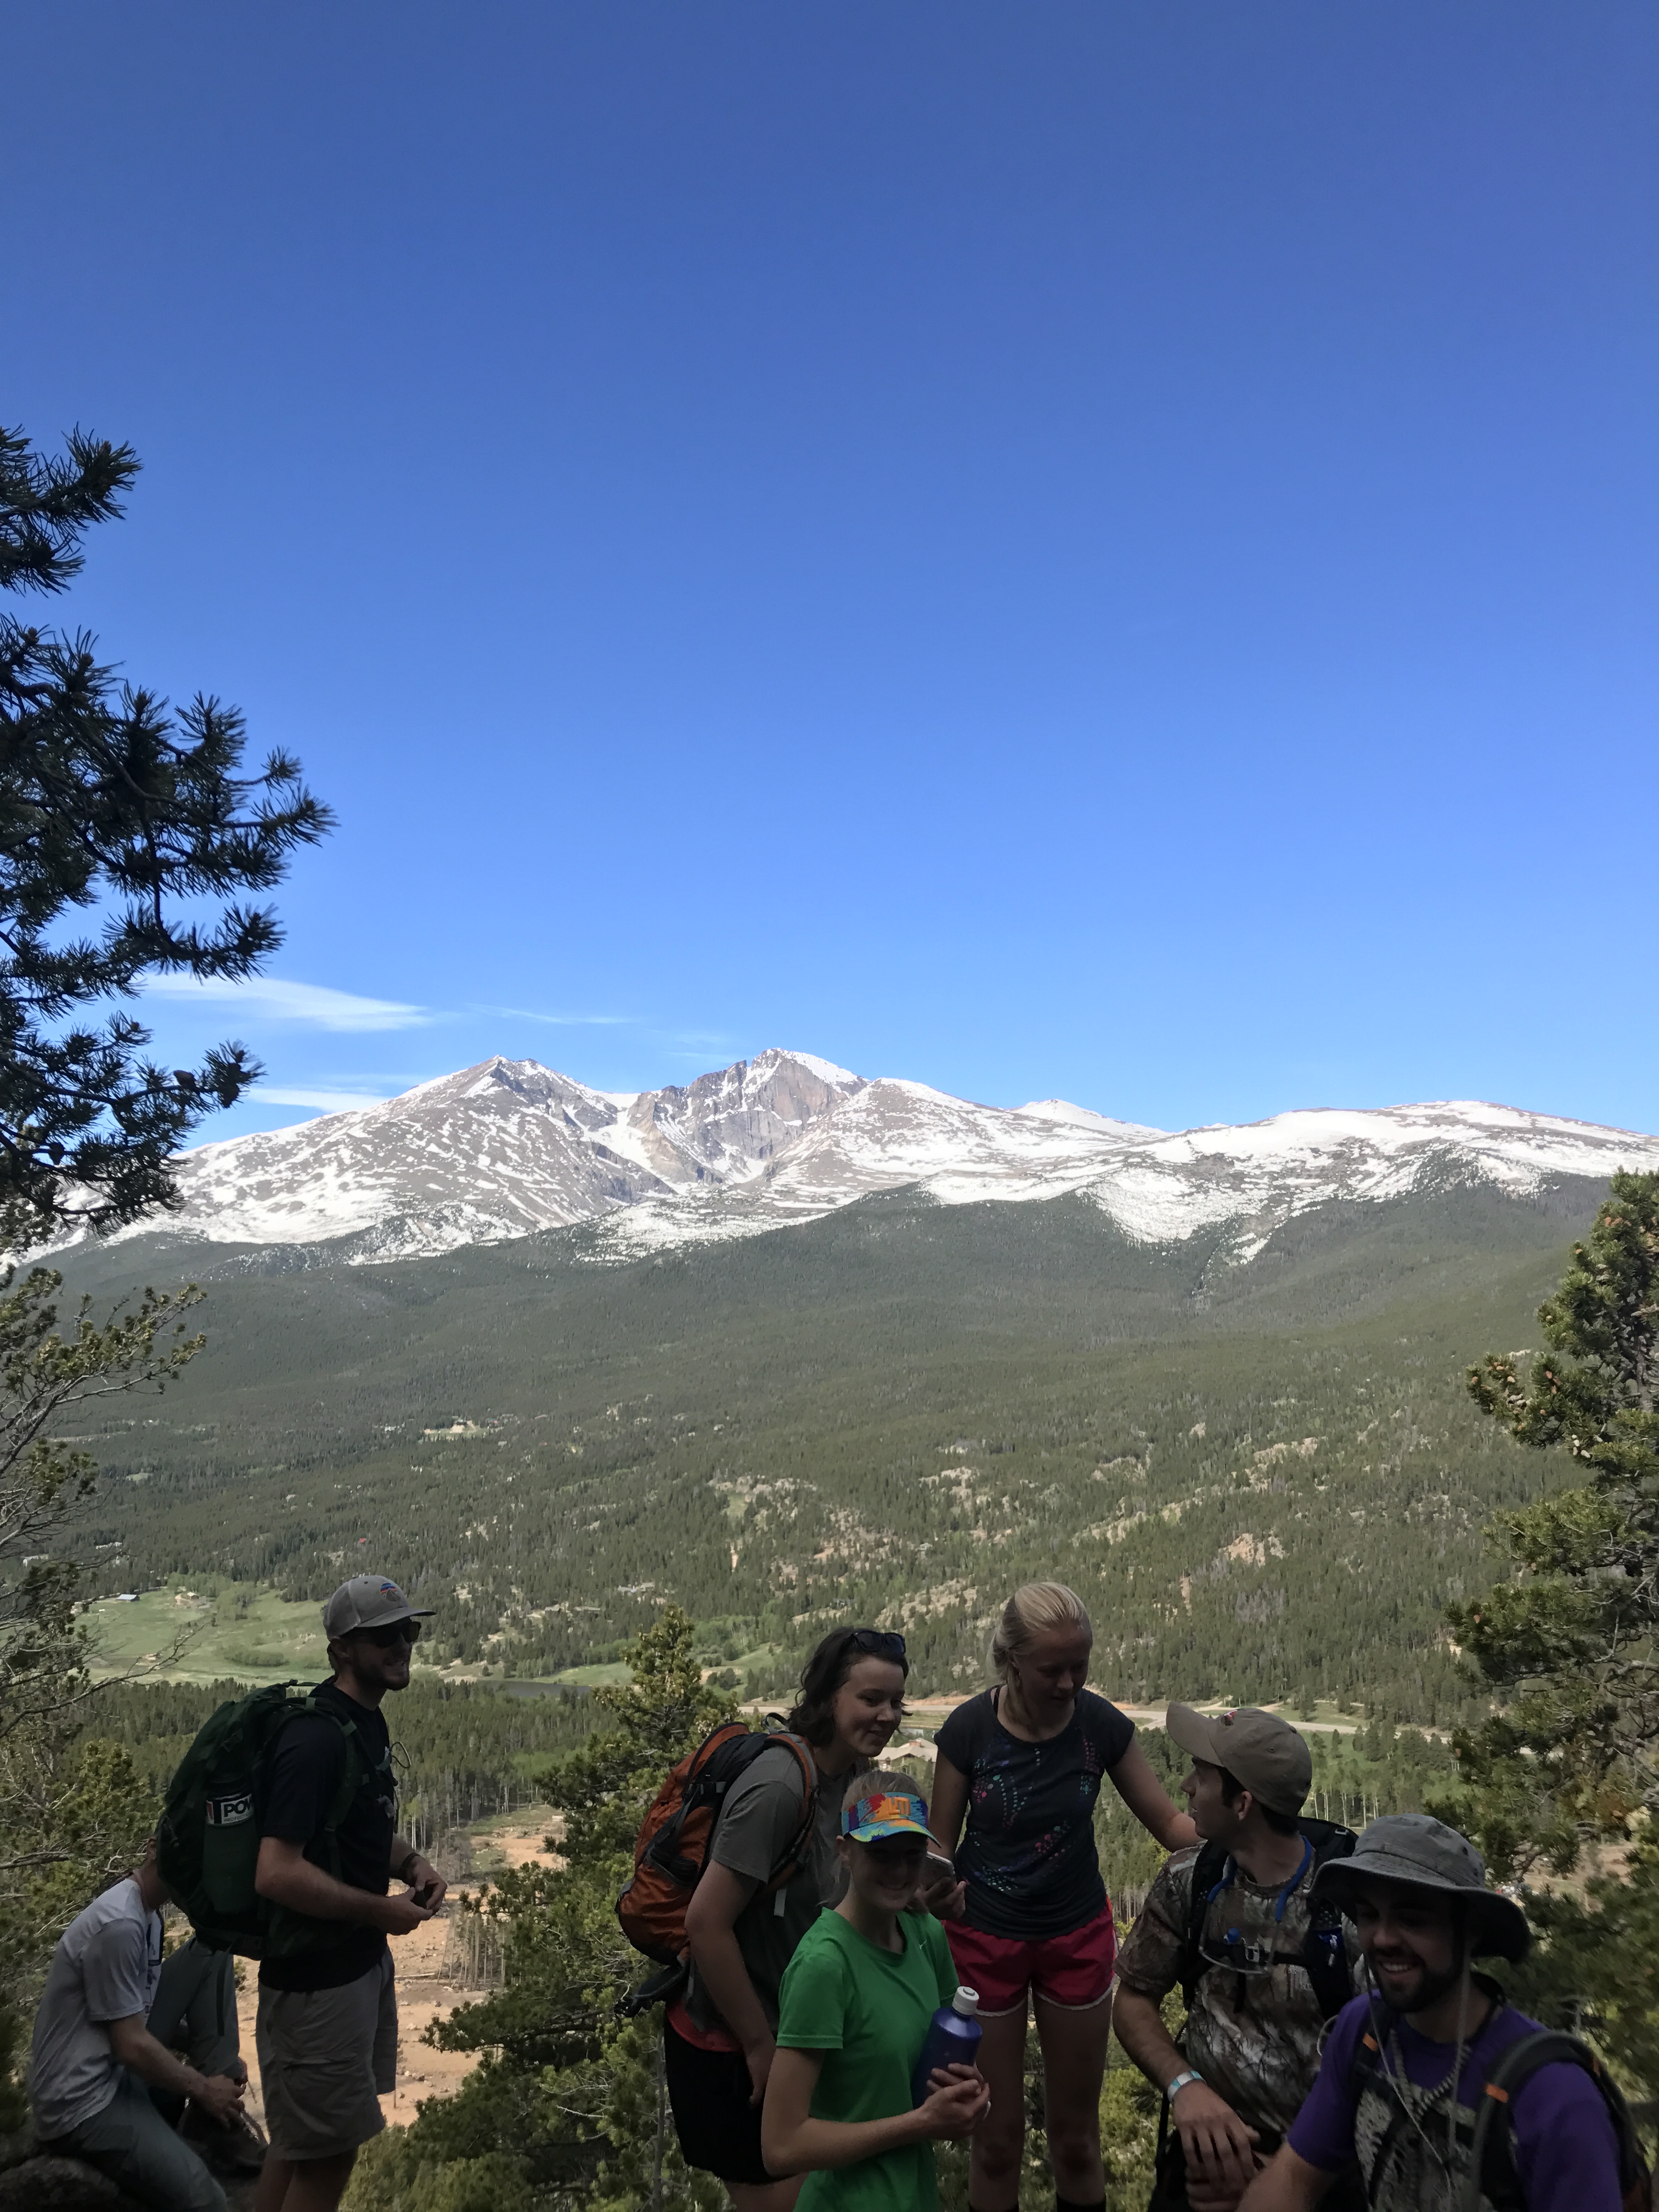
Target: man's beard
[{"x": 1432, "y": 1987}]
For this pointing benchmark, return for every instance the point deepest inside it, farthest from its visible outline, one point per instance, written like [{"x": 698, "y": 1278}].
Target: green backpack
[{"x": 207, "y": 1840}]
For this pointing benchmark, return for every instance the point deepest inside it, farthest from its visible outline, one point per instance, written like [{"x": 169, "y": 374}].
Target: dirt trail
[{"x": 423, "y": 1994}]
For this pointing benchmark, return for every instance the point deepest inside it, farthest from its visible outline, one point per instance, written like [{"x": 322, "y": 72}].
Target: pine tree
[
  {"x": 113, "y": 808},
  {"x": 1571, "y": 1756},
  {"x": 109, "y": 809},
  {"x": 1569, "y": 1641},
  {"x": 568, "y": 2106}
]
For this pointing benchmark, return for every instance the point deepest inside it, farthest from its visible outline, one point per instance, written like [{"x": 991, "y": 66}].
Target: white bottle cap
[{"x": 966, "y": 2000}]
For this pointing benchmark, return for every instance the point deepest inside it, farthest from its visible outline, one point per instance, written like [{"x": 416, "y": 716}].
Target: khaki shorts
[{"x": 327, "y": 2058}]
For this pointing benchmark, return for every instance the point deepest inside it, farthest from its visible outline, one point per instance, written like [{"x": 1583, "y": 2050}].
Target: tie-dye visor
[{"x": 874, "y": 1817}]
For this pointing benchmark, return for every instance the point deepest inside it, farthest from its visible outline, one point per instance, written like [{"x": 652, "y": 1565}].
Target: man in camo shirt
[{"x": 1266, "y": 1967}]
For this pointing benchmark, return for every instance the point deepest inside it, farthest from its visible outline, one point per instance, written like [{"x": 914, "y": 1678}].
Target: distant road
[{"x": 933, "y": 1710}]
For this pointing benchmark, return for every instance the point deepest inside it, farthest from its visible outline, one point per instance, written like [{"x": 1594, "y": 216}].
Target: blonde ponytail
[{"x": 1032, "y": 1611}]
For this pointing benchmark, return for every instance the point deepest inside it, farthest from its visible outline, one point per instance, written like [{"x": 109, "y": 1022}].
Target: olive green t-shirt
[
  {"x": 759, "y": 1821},
  {"x": 868, "y": 2011}
]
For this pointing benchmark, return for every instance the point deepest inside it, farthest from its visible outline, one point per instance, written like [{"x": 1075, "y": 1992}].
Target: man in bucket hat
[
  {"x": 1233, "y": 1925},
  {"x": 329, "y": 1852},
  {"x": 1405, "y": 2070}
]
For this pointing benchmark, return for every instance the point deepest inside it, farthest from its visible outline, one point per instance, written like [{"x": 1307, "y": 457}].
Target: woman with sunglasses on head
[
  {"x": 1023, "y": 1763},
  {"x": 719, "y": 2037}
]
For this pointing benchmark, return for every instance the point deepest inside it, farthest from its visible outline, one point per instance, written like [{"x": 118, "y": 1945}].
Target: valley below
[{"x": 1263, "y": 1475}]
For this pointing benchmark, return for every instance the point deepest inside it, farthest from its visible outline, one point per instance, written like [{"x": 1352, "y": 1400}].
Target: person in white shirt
[{"x": 95, "y": 2060}]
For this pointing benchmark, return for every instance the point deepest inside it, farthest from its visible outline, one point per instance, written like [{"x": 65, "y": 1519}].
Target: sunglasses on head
[
  {"x": 880, "y": 1642},
  {"x": 395, "y": 1631}
]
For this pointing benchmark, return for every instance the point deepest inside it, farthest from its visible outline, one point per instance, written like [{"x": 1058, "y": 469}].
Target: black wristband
[{"x": 403, "y": 1873}]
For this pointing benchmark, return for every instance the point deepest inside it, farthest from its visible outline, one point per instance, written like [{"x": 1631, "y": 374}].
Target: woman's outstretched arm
[{"x": 1147, "y": 1799}]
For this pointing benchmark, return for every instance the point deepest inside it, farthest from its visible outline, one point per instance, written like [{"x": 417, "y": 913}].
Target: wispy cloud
[
  {"x": 561, "y": 1021},
  {"x": 272, "y": 999},
  {"x": 329, "y": 1102}
]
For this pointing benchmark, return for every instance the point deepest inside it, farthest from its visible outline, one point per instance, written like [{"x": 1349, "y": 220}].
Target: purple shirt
[{"x": 1564, "y": 2147}]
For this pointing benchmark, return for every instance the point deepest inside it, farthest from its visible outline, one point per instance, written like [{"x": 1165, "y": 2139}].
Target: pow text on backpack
[
  {"x": 672, "y": 1846},
  {"x": 207, "y": 1840},
  {"x": 1323, "y": 1956},
  {"x": 1483, "y": 2136}
]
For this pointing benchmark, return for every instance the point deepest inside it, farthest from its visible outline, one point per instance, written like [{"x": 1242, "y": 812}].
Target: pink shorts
[{"x": 1073, "y": 1970}]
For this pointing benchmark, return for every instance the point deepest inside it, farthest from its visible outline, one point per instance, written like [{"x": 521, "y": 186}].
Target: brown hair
[
  {"x": 813, "y": 1713},
  {"x": 1282, "y": 1824}
]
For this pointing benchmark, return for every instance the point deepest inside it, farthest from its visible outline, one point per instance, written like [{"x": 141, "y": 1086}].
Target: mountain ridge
[{"x": 507, "y": 1149}]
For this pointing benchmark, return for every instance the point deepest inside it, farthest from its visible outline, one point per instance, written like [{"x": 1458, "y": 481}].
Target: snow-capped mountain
[
  {"x": 1258, "y": 1175},
  {"x": 510, "y": 1147}
]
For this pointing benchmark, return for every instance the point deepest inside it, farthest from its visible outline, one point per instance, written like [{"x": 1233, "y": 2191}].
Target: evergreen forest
[{"x": 1266, "y": 1480}]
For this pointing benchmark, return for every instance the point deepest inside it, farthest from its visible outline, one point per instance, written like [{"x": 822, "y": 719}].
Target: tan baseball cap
[
  {"x": 368, "y": 1602},
  {"x": 1263, "y": 1751}
]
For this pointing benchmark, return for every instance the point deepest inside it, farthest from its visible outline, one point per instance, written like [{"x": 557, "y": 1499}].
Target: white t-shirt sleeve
[{"x": 115, "y": 1969}]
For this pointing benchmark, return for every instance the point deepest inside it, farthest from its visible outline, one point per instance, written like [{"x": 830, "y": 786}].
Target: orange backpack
[{"x": 672, "y": 1846}]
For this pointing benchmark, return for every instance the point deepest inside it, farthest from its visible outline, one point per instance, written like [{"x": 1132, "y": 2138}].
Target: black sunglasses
[
  {"x": 395, "y": 1631},
  {"x": 880, "y": 1642}
]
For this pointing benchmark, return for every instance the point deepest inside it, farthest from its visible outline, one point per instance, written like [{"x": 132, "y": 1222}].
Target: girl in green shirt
[{"x": 855, "y": 2005}]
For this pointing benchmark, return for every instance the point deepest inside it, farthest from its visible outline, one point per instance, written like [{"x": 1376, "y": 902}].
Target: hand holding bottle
[{"x": 957, "y": 2100}]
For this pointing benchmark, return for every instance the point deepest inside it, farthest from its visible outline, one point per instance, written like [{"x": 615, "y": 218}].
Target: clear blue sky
[{"x": 1103, "y": 549}]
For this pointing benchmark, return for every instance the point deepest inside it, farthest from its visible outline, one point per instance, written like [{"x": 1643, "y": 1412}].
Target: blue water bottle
[{"x": 953, "y": 2037}]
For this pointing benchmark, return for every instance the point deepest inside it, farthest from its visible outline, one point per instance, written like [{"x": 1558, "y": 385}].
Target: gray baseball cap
[
  {"x": 1416, "y": 1852},
  {"x": 368, "y": 1602},
  {"x": 1258, "y": 1749}
]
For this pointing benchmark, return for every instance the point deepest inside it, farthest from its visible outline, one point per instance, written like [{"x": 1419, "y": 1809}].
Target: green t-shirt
[{"x": 868, "y": 2011}]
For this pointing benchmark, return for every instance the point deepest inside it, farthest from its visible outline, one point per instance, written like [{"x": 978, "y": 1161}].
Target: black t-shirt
[
  {"x": 1028, "y": 1852},
  {"x": 306, "y": 1770}
]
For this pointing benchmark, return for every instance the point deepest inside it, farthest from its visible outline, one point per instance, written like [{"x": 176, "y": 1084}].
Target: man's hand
[
  {"x": 1202, "y": 2196},
  {"x": 1220, "y": 2149},
  {"x": 395, "y": 1916},
  {"x": 957, "y": 2100},
  {"x": 758, "y": 2056},
  {"x": 220, "y": 2094},
  {"x": 425, "y": 1880}
]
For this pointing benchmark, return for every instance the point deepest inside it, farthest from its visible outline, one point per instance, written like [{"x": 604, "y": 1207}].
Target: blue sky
[{"x": 1099, "y": 549}]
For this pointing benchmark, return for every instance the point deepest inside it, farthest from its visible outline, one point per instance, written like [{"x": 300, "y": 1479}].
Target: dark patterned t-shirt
[{"x": 1028, "y": 1852}]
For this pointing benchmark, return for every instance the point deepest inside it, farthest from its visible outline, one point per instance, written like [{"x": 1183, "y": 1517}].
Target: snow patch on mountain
[
  {"x": 509, "y": 1148},
  {"x": 1259, "y": 1175},
  {"x": 1085, "y": 1117}
]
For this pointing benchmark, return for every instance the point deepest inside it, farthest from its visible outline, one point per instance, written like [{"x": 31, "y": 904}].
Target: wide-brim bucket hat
[{"x": 1415, "y": 1851}]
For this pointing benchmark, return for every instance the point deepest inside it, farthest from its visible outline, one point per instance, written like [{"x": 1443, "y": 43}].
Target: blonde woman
[{"x": 1023, "y": 1762}]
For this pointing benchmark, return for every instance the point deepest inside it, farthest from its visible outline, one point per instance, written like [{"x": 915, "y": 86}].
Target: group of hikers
[
  {"x": 136, "y": 2067},
  {"x": 1339, "y": 2047}
]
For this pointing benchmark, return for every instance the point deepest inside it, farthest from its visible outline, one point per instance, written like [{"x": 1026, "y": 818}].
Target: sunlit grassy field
[{"x": 202, "y": 1630}]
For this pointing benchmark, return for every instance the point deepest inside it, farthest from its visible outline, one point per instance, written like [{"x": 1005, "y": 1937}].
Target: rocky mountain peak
[{"x": 508, "y": 1148}]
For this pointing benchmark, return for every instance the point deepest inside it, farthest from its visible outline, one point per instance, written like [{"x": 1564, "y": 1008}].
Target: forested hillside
[
  {"x": 1266, "y": 1480},
  {"x": 462, "y": 1753}
]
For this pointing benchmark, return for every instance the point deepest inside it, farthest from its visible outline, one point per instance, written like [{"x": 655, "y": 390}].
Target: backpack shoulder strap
[
  {"x": 1368, "y": 2072},
  {"x": 1209, "y": 1869},
  {"x": 1368, "y": 2045},
  {"x": 1493, "y": 2172},
  {"x": 351, "y": 1776},
  {"x": 1325, "y": 1948},
  {"x": 800, "y": 1847}
]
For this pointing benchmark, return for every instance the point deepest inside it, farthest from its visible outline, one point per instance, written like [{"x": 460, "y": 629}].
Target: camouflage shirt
[{"x": 1255, "y": 2038}]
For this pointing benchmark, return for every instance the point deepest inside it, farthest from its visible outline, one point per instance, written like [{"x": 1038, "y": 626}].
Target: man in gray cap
[
  {"x": 1234, "y": 1925},
  {"x": 329, "y": 1851},
  {"x": 1405, "y": 2072}
]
